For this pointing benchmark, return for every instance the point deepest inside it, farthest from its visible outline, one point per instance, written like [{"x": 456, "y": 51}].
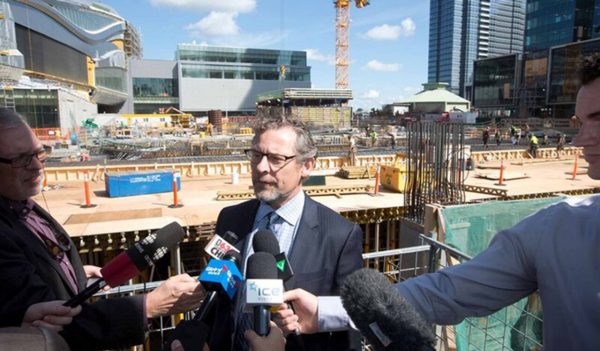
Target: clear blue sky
[{"x": 388, "y": 38}]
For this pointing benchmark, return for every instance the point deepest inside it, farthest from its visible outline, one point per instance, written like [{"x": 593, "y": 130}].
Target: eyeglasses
[
  {"x": 275, "y": 160},
  {"x": 25, "y": 160}
]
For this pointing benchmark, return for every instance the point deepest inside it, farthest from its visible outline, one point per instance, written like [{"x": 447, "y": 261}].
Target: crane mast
[{"x": 342, "y": 44}]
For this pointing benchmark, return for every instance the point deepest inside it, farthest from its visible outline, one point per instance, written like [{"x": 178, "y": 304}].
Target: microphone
[
  {"x": 265, "y": 241},
  {"x": 218, "y": 246},
  {"x": 263, "y": 290},
  {"x": 219, "y": 276},
  {"x": 382, "y": 315},
  {"x": 132, "y": 261}
]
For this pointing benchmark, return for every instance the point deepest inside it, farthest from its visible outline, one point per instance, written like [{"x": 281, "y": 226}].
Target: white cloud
[
  {"x": 215, "y": 24},
  {"x": 375, "y": 65},
  {"x": 209, "y": 5},
  {"x": 370, "y": 94},
  {"x": 315, "y": 55},
  {"x": 387, "y": 32},
  {"x": 408, "y": 27},
  {"x": 384, "y": 32}
]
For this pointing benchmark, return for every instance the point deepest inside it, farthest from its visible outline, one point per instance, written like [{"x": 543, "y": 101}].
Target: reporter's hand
[
  {"x": 52, "y": 315},
  {"x": 94, "y": 272},
  {"x": 306, "y": 317},
  {"x": 272, "y": 342},
  {"x": 180, "y": 293}
]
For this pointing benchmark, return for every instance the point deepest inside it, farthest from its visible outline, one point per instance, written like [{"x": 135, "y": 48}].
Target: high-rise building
[
  {"x": 552, "y": 22},
  {"x": 543, "y": 81},
  {"x": 462, "y": 31}
]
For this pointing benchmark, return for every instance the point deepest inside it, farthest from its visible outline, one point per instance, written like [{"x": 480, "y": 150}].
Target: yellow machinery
[
  {"x": 342, "y": 23},
  {"x": 394, "y": 176}
]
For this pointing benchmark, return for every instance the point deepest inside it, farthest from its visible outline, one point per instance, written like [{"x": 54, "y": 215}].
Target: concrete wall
[
  {"x": 199, "y": 94},
  {"x": 72, "y": 110}
]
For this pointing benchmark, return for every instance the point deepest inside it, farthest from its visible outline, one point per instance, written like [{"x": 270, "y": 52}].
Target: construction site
[{"x": 426, "y": 192}]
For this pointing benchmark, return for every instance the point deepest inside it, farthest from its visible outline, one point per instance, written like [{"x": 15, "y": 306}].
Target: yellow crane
[{"x": 342, "y": 24}]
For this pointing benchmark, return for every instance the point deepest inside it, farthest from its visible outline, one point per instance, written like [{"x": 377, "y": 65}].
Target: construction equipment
[{"x": 342, "y": 24}]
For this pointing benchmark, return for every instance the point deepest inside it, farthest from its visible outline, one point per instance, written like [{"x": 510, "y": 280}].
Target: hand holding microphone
[
  {"x": 132, "y": 261},
  {"x": 382, "y": 315}
]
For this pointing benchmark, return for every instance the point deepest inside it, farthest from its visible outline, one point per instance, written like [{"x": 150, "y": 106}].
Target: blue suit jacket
[{"x": 327, "y": 248}]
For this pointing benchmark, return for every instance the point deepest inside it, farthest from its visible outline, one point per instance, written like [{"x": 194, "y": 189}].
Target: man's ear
[{"x": 307, "y": 167}]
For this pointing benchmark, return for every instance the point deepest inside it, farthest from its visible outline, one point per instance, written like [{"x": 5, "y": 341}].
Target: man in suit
[
  {"x": 322, "y": 246},
  {"x": 39, "y": 262}
]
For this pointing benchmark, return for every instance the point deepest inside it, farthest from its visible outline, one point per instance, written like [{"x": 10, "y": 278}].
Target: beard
[{"x": 268, "y": 195}]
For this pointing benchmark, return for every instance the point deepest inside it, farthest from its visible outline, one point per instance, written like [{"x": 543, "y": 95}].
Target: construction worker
[
  {"x": 209, "y": 129},
  {"x": 498, "y": 137},
  {"x": 486, "y": 137},
  {"x": 533, "y": 145}
]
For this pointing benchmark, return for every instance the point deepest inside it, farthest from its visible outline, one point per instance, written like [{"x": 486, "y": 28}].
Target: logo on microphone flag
[{"x": 281, "y": 265}]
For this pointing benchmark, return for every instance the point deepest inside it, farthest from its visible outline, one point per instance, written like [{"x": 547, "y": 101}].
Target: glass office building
[
  {"x": 462, "y": 31},
  {"x": 230, "y": 79},
  {"x": 495, "y": 86},
  {"x": 557, "y": 22}
]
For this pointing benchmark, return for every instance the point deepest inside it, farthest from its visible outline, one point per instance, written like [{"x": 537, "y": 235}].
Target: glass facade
[
  {"x": 155, "y": 87},
  {"x": 208, "y": 62},
  {"x": 564, "y": 61},
  {"x": 113, "y": 78},
  {"x": 190, "y": 52},
  {"x": 192, "y": 70},
  {"x": 83, "y": 18},
  {"x": 556, "y": 22},
  {"x": 48, "y": 56},
  {"x": 462, "y": 31},
  {"x": 495, "y": 82},
  {"x": 39, "y": 107}
]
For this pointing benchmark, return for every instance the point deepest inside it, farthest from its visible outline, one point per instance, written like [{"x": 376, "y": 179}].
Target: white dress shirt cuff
[{"x": 331, "y": 314}]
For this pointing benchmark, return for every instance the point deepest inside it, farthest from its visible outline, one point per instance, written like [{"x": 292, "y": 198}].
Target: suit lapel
[
  {"x": 72, "y": 254},
  {"x": 306, "y": 236}
]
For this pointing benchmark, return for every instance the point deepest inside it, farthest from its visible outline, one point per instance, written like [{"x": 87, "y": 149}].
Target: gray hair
[
  {"x": 305, "y": 146},
  {"x": 11, "y": 119}
]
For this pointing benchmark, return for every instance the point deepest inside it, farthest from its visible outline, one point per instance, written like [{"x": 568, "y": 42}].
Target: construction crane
[{"x": 342, "y": 24}]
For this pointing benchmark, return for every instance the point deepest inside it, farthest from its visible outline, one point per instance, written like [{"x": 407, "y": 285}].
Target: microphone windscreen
[
  {"x": 153, "y": 247},
  {"x": 382, "y": 315},
  {"x": 265, "y": 241},
  {"x": 119, "y": 270},
  {"x": 261, "y": 265}
]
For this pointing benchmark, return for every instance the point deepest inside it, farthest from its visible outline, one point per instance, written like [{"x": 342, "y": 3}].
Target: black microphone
[
  {"x": 263, "y": 289},
  {"x": 132, "y": 261},
  {"x": 265, "y": 241},
  {"x": 382, "y": 315}
]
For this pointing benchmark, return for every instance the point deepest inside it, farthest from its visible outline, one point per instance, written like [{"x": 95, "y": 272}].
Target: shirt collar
[
  {"x": 21, "y": 209},
  {"x": 290, "y": 212}
]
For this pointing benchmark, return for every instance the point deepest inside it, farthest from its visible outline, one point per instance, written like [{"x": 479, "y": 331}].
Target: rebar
[{"x": 435, "y": 166}]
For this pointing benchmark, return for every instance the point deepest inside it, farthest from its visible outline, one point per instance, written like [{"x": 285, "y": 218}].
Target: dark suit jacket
[
  {"x": 327, "y": 248},
  {"x": 29, "y": 274}
]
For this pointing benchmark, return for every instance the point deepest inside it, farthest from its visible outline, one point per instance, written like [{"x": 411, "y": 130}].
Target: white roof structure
[{"x": 435, "y": 98}]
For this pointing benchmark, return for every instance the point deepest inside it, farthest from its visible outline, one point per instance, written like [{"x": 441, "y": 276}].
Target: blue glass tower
[{"x": 462, "y": 31}]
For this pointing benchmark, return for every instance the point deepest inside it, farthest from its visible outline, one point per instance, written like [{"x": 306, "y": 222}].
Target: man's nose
[{"x": 263, "y": 165}]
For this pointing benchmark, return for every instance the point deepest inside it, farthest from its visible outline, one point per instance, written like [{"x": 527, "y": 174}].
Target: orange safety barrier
[
  {"x": 86, "y": 189},
  {"x": 574, "y": 175},
  {"x": 501, "y": 177},
  {"x": 377, "y": 176},
  {"x": 176, "y": 203}
]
